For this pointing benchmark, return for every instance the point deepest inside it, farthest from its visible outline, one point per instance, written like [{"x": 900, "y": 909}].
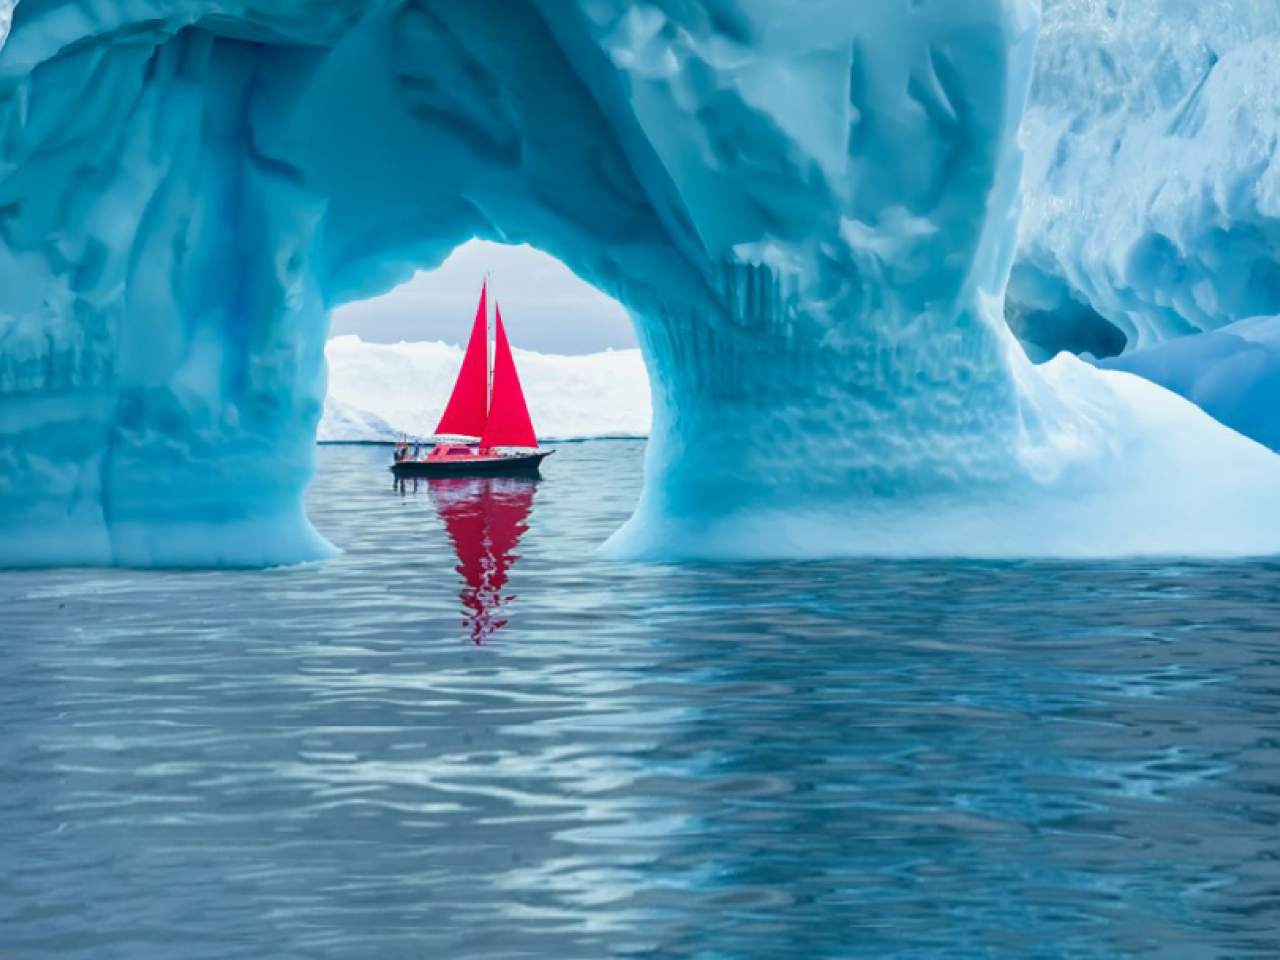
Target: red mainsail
[
  {"x": 468, "y": 407},
  {"x": 509, "y": 424}
]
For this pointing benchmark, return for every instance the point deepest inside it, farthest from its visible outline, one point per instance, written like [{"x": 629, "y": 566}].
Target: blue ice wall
[
  {"x": 810, "y": 209},
  {"x": 159, "y": 372},
  {"x": 1153, "y": 195},
  {"x": 1153, "y": 172}
]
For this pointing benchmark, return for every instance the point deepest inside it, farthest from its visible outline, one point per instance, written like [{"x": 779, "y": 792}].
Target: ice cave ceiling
[{"x": 811, "y": 211}]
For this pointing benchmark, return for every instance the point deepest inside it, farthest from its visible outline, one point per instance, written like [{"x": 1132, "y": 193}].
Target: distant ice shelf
[{"x": 381, "y": 392}]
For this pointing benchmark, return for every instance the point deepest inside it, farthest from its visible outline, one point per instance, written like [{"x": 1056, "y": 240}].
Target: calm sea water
[{"x": 468, "y": 737}]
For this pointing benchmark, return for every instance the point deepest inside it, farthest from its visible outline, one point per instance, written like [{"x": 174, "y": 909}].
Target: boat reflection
[{"x": 485, "y": 518}]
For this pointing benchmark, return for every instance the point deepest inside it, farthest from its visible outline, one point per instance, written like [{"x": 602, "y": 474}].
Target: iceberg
[
  {"x": 381, "y": 392},
  {"x": 810, "y": 212},
  {"x": 1152, "y": 174}
]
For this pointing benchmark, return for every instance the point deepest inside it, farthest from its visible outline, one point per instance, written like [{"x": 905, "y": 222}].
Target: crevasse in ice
[{"x": 810, "y": 210}]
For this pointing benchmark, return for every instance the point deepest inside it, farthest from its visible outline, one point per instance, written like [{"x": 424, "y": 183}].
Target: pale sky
[{"x": 544, "y": 306}]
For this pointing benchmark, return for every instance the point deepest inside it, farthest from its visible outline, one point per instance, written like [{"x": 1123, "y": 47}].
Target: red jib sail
[
  {"x": 465, "y": 415},
  {"x": 509, "y": 424}
]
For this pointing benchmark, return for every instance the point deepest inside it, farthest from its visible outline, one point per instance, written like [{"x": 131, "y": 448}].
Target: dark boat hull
[{"x": 523, "y": 465}]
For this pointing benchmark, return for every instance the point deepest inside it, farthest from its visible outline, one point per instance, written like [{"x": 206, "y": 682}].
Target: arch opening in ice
[{"x": 393, "y": 359}]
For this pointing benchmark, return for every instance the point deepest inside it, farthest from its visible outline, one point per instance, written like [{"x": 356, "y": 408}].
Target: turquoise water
[{"x": 468, "y": 737}]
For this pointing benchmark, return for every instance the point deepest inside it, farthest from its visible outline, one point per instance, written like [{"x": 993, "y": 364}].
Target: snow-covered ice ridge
[
  {"x": 381, "y": 392},
  {"x": 810, "y": 211}
]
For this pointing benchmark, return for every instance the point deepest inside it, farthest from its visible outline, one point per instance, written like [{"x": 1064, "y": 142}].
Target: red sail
[
  {"x": 509, "y": 424},
  {"x": 465, "y": 415}
]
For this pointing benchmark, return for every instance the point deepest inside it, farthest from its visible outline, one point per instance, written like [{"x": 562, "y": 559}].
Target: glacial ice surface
[
  {"x": 1232, "y": 373},
  {"x": 381, "y": 392},
  {"x": 1153, "y": 197},
  {"x": 1152, "y": 173},
  {"x": 811, "y": 211}
]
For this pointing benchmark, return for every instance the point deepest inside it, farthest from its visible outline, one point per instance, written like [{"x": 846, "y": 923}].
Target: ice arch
[{"x": 810, "y": 210}]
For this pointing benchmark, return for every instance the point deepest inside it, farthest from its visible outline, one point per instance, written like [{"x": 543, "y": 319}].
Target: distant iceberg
[{"x": 379, "y": 392}]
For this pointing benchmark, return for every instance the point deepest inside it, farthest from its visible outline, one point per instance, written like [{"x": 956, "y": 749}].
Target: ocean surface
[{"x": 469, "y": 737}]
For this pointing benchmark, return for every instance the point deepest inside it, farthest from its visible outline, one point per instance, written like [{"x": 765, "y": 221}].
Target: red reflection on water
[{"x": 485, "y": 518}]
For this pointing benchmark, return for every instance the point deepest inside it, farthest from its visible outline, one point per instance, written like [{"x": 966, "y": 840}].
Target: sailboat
[{"x": 485, "y": 430}]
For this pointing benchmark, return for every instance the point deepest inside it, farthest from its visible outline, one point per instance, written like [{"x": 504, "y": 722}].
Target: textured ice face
[
  {"x": 1153, "y": 173},
  {"x": 810, "y": 209}
]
